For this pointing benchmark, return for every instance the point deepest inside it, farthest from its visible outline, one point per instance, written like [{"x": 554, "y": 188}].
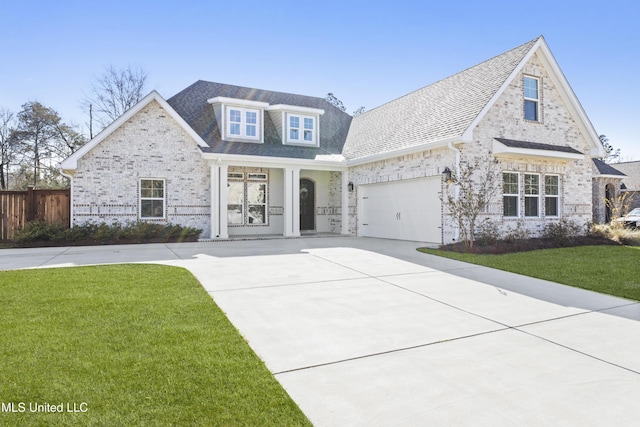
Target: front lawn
[
  {"x": 127, "y": 345},
  {"x": 613, "y": 270}
]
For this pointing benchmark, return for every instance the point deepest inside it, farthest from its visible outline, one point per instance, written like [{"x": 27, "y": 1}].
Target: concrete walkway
[{"x": 367, "y": 332}]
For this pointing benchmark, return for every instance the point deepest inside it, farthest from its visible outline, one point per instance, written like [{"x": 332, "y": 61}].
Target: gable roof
[
  {"x": 71, "y": 162},
  {"x": 608, "y": 170},
  {"x": 449, "y": 110},
  {"x": 191, "y": 104},
  {"x": 632, "y": 172}
]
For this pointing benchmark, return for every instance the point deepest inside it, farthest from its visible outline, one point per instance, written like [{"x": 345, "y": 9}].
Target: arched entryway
[
  {"x": 609, "y": 194},
  {"x": 307, "y": 205}
]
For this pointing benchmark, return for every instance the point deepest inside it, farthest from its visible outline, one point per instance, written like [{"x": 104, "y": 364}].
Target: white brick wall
[{"x": 150, "y": 145}]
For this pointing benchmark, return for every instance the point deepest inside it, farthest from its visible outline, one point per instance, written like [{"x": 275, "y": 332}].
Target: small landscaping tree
[
  {"x": 619, "y": 206},
  {"x": 468, "y": 194}
]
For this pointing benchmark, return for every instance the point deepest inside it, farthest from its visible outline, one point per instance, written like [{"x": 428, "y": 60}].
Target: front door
[{"x": 307, "y": 205}]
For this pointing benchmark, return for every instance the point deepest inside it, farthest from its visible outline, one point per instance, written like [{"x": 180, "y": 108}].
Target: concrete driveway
[{"x": 366, "y": 332}]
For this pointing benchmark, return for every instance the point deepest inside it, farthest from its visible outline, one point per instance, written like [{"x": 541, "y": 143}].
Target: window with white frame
[
  {"x": 243, "y": 123},
  {"x": 247, "y": 198},
  {"x": 531, "y": 194},
  {"x": 510, "y": 194},
  {"x": 235, "y": 198},
  {"x": 531, "y": 99},
  {"x": 552, "y": 195},
  {"x": 152, "y": 198},
  {"x": 301, "y": 129}
]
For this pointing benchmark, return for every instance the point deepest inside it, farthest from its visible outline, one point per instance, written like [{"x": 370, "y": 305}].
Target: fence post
[{"x": 31, "y": 204}]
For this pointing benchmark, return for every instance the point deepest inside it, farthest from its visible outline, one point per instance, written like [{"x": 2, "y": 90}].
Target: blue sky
[{"x": 365, "y": 52}]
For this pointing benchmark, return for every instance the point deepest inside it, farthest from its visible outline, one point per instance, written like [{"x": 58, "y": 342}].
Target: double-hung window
[
  {"x": 301, "y": 129},
  {"x": 552, "y": 195},
  {"x": 531, "y": 194},
  {"x": 510, "y": 191},
  {"x": 531, "y": 99},
  {"x": 152, "y": 198},
  {"x": 242, "y": 123}
]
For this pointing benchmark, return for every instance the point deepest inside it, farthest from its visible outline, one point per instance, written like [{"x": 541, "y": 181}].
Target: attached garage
[{"x": 403, "y": 210}]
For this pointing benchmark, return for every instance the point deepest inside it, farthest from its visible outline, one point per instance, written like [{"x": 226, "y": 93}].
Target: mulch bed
[
  {"x": 505, "y": 247},
  {"x": 93, "y": 242}
]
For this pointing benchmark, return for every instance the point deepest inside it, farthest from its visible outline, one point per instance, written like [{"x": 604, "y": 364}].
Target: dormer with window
[
  {"x": 239, "y": 120},
  {"x": 297, "y": 125}
]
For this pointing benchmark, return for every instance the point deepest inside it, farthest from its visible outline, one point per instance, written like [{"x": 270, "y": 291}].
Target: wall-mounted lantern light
[
  {"x": 446, "y": 174},
  {"x": 350, "y": 187}
]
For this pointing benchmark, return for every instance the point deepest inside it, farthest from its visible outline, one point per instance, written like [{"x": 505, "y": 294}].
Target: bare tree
[
  {"x": 619, "y": 205},
  {"x": 7, "y": 146},
  {"x": 114, "y": 93},
  {"x": 468, "y": 194},
  {"x": 358, "y": 112},
  {"x": 611, "y": 155},
  {"x": 333, "y": 100}
]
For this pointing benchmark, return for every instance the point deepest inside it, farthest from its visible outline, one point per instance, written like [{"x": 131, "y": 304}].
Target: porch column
[
  {"x": 219, "y": 201},
  {"x": 345, "y": 202},
  {"x": 291, "y": 202}
]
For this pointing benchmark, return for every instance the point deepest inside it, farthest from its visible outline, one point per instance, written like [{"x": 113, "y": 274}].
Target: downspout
[
  {"x": 456, "y": 234},
  {"x": 63, "y": 173}
]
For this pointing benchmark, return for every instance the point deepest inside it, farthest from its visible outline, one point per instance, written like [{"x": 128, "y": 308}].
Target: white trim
[
  {"x": 276, "y": 162},
  {"x": 301, "y": 129},
  {"x": 163, "y": 198},
  {"x": 517, "y": 195},
  {"x": 238, "y": 102},
  {"x": 555, "y": 196},
  {"x": 405, "y": 151},
  {"x": 610, "y": 176},
  {"x": 71, "y": 162},
  {"x": 499, "y": 149},
  {"x": 531, "y": 196},
  {"x": 295, "y": 109}
]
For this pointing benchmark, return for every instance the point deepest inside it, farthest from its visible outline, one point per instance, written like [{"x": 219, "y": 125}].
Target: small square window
[
  {"x": 302, "y": 129},
  {"x": 243, "y": 123}
]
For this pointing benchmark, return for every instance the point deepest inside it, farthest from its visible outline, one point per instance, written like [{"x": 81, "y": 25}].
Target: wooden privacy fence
[{"x": 19, "y": 207}]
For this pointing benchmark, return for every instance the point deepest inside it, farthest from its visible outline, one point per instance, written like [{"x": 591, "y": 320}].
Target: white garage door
[{"x": 404, "y": 210}]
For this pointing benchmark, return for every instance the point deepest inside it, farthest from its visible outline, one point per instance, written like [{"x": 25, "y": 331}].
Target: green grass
[
  {"x": 613, "y": 270},
  {"x": 139, "y": 344}
]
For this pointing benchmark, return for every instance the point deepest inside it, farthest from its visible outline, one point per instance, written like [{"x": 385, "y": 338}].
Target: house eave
[
  {"x": 405, "y": 151},
  {"x": 501, "y": 150},
  {"x": 609, "y": 176},
  {"x": 276, "y": 162}
]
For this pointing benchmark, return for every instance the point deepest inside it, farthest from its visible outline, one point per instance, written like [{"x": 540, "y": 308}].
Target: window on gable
[
  {"x": 242, "y": 123},
  {"x": 531, "y": 99},
  {"x": 301, "y": 129},
  {"x": 510, "y": 198},
  {"x": 551, "y": 195},
  {"x": 152, "y": 198},
  {"x": 531, "y": 194}
]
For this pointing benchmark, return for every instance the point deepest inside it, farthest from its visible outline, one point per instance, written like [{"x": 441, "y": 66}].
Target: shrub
[
  {"x": 517, "y": 234},
  {"x": 39, "y": 231},
  {"x": 488, "y": 232},
  {"x": 564, "y": 229},
  {"x": 624, "y": 236},
  {"x": 138, "y": 232}
]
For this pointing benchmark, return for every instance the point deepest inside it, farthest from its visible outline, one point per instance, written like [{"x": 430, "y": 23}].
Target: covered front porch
[{"x": 250, "y": 199}]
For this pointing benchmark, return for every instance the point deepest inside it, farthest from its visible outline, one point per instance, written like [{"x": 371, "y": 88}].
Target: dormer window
[
  {"x": 531, "y": 99},
  {"x": 302, "y": 129},
  {"x": 297, "y": 125},
  {"x": 242, "y": 123},
  {"x": 240, "y": 120}
]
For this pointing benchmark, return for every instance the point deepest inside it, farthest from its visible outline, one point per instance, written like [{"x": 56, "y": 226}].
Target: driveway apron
[{"x": 366, "y": 332}]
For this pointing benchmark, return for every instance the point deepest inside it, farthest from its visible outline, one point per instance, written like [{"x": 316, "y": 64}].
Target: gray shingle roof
[
  {"x": 442, "y": 110},
  {"x": 191, "y": 104},
  {"x": 537, "y": 146},
  {"x": 606, "y": 169},
  {"x": 632, "y": 172}
]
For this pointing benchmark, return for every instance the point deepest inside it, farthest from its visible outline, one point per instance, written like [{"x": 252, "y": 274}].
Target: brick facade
[{"x": 150, "y": 145}]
